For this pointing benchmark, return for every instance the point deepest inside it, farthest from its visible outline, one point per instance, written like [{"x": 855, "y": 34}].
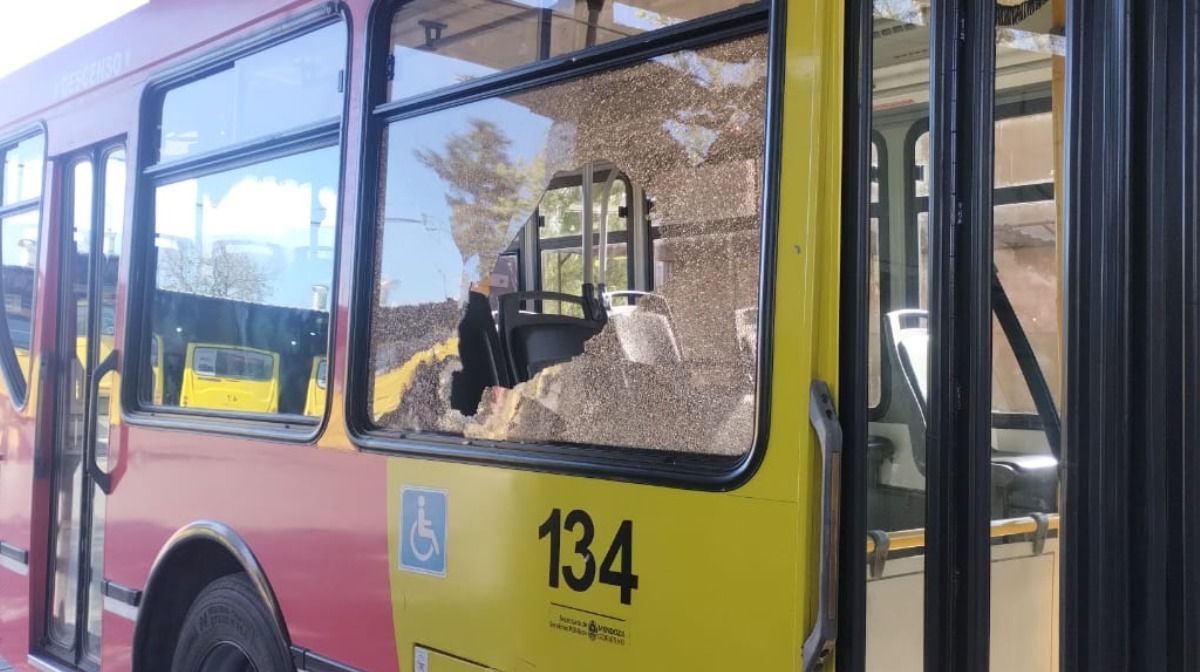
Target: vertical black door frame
[
  {"x": 1130, "y": 585},
  {"x": 1158, "y": 136},
  {"x": 852, "y": 386},
  {"x": 1096, "y": 512},
  {"x": 1131, "y": 451},
  {"x": 958, "y": 471},
  {"x": 1190, "y": 436}
]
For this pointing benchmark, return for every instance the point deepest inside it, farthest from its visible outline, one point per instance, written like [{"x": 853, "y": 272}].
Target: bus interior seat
[
  {"x": 644, "y": 329},
  {"x": 534, "y": 341},
  {"x": 908, "y": 332},
  {"x": 1021, "y": 482},
  {"x": 1029, "y": 484},
  {"x": 483, "y": 362}
]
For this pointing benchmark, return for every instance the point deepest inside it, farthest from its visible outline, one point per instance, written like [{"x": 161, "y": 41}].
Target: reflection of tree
[
  {"x": 224, "y": 275},
  {"x": 489, "y": 192}
]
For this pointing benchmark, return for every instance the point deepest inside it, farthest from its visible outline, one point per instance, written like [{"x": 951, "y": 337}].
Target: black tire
[{"x": 229, "y": 629}]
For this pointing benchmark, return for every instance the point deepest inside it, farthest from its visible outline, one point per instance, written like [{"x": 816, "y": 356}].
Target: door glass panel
[
  {"x": 878, "y": 211},
  {"x": 106, "y": 411},
  {"x": 70, "y": 446},
  {"x": 1026, "y": 370},
  {"x": 899, "y": 332}
]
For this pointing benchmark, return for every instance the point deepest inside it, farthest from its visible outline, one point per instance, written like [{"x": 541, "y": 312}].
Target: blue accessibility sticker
[{"x": 423, "y": 530}]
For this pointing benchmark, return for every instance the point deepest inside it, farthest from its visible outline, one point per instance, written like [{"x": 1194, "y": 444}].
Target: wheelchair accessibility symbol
[{"x": 423, "y": 530}]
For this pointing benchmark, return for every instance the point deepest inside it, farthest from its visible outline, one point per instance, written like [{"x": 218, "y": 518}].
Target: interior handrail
[{"x": 915, "y": 538}]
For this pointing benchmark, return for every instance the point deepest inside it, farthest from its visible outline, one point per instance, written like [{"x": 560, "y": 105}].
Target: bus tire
[{"x": 227, "y": 624}]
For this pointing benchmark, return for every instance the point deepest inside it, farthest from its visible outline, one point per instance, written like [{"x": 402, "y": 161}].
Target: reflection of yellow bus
[
  {"x": 318, "y": 382},
  {"x": 106, "y": 346},
  {"x": 390, "y": 386},
  {"x": 230, "y": 377},
  {"x": 156, "y": 370},
  {"x": 23, "y": 360}
]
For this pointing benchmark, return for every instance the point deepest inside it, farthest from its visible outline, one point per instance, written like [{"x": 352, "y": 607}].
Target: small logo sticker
[{"x": 423, "y": 530}]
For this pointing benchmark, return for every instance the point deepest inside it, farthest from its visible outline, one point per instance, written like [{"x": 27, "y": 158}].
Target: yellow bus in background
[
  {"x": 230, "y": 378},
  {"x": 318, "y": 384},
  {"x": 156, "y": 370}
]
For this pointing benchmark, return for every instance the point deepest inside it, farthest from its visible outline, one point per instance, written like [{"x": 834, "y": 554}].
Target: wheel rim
[{"x": 227, "y": 657}]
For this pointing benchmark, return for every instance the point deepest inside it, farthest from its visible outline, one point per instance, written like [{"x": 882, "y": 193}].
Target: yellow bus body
[
  {"x": 219, "y": 390},
  {"x": 727, "y": 579}
]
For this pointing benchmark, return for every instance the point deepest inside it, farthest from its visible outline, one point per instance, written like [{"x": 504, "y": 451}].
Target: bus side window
[
  {"x": 239, "y": 303},
  {"x": 20, "y": 217},
  {"x": 563, "y": 176}
]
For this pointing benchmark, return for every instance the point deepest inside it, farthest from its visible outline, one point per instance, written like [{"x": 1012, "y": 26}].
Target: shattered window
[{"x": 455, "y": 349}]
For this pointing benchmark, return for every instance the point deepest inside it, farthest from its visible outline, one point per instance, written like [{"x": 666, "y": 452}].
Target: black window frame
[
  {"x": 151, "y": 172},
  {"x": 10, "y": 368},
  {"x": 639, "y": 465}
]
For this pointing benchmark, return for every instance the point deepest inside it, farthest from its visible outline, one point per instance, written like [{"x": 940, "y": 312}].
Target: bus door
[
  {"x": 93, "y": 215},
  {"x": 964, "y": 333}
]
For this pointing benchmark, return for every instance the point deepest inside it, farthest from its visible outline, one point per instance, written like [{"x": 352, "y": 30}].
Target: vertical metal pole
[
  {"x": 1189, "y": 215},
  {"x": 604, "y": 196},
  {"x": 545, "y": 18},
  {"x": 958, "y": 471},
  {"x": 586, "y": 189},
  {"x": 1095, "y": 555},
  {"x": 852, "y": 390},
  {"x": 641, "y": 246}
]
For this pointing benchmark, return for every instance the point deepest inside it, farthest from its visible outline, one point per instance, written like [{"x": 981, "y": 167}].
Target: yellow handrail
[{"x": 915, "y": 538}]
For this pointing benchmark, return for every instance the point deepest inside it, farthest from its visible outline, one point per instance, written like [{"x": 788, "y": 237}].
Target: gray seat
[{"x": 1021, "y": 482}]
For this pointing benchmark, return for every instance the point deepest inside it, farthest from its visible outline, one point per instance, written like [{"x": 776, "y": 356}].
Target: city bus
[{"x": 449, "y": 335}]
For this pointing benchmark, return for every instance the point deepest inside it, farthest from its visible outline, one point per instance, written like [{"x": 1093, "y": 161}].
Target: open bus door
[
  {"x": 964, "y": 374},
  {"x": 84, "y": 406}
]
